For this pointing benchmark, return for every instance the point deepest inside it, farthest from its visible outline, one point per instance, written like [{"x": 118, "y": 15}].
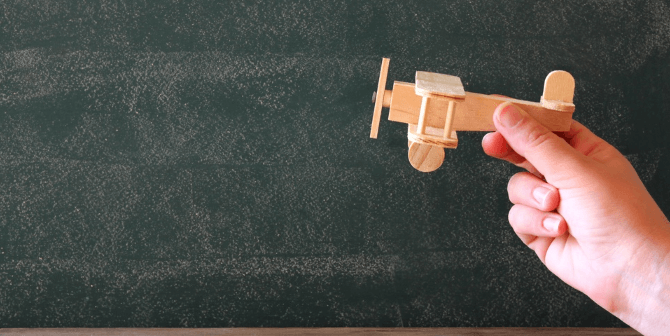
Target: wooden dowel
[
  {"x": 449, "y": 120},
  {"x": 386, "y": 101},
  {"x": 421, "y": 126}
]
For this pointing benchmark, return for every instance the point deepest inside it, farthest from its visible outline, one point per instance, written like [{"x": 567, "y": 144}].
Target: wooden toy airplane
[{"x": 437, "y": 106}]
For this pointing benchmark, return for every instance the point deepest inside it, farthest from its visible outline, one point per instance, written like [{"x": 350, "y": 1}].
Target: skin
[{"x": 584, "y": 211}]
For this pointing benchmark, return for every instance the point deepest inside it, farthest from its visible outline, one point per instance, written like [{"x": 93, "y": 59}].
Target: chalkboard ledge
[{"x": 319, "y": 331}]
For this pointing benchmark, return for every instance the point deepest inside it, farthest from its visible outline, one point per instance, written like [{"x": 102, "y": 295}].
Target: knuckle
[
  {"x": 515, "y": 159},
  {"x": 511, "y": 183},
  {"x": 515, "y": 184},
  {"x": 515, "y": 179},
  {"x": 537, "y": 135},
  {"x": 513, "y": 216},
  {"x": 551, "y": 199},
  {"x": 511, "y": 190},
  {"x": 510, "y": 219}
]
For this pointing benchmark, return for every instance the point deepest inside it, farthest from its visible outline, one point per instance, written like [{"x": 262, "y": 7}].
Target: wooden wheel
[{"x": 425, "y": 158}]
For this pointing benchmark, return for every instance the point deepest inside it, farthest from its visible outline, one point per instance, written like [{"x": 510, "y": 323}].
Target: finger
[
  {"x": 541, "y": 245},
  {"x": 581, "y": 138},
  {"x": 495, "y": 145},
  {"x": 538, "y": 244},
  {"x": 528, "y": 190},
  {"x": 551, "y": 155},
  {"x": 587, "y": 143},
  {"x": 530, "y": 221}
]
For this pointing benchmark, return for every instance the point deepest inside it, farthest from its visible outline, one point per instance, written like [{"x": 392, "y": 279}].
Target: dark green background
[{"x": 207, "y": 164}]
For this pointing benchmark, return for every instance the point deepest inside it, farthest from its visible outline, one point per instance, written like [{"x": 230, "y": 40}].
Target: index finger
[{"x": 495, "y": 145}]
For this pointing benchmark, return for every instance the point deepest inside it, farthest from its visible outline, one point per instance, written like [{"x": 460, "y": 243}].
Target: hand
[{"x": 588, "y": 217}]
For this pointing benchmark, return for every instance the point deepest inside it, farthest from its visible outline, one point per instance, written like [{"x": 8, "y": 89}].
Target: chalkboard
[{"x": 207, "y": 164}]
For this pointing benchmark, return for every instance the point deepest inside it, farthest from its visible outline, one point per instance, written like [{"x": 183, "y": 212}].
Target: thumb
[{"x": 552, "y": 156}]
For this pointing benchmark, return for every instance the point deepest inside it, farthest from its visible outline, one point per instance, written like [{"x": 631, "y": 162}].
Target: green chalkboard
[{"x": 207, "y": 163}]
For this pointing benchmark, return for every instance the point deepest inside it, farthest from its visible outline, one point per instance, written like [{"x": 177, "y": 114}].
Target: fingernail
[
  {"x": 508, "y": 115},
  {"x": 551, "y": 223},
  {"x": 540, "y": 194}
]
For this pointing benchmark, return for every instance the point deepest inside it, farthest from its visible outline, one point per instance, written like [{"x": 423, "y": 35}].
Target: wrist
[{"x": 642, "y": 298}]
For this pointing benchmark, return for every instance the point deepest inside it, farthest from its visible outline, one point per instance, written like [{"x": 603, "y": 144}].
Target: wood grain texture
[
  {"x": 559, "y": 85},
  {"x": 322, "y": 331},
  {"x": 379, "y": 101},
  {"x": 449, "y": 120},
  {"x": 386, "y": 102},
  {"x": 474, "y": 113},
  {"x": 421, "y": 124},
  {"x": 425, "y": 158},
  {"x": 432, "y": 136},
  {"x": 429, "y": 83},
  {"x": 559, "y": 91}
]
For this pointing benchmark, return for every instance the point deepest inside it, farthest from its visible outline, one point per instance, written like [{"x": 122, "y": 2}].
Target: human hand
[{"x": 587, "y": 216}]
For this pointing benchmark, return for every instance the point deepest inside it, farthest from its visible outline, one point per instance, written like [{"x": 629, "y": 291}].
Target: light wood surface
[
  {"x": 425, "y": 158},
  {"x": 559, "y": 85},
  {"x": 437, "y": 106},
  {"x": 474, "y": 113},
  {"x": 379, "y": 101},
  {"x": 421, "y": 124},
  {"x": 321, "y": 331},
  {"x": 559, "y": 90},
  {"x": 386, "y": 102},
  {"x": 429, "y": 84},
  {"x": 449, "y": 120},
  {"x": 432, "y": 136}
]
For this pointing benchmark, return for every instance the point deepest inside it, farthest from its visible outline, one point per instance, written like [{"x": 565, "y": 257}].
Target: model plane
[{"x": 436, "y": 106}]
